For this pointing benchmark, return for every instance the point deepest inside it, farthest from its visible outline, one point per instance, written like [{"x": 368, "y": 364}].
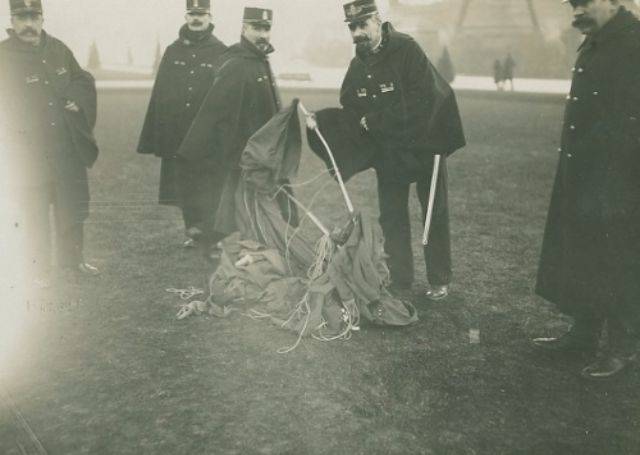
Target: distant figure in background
[
  {"x": 48, "y": 112},
  {"x": 498, "y": 75},
  {"x": 590, "y": 261},
  {"x": 507, "y": 70},
  {"x": 185, "y": 74},
  {"x": 445, "y": 66}
]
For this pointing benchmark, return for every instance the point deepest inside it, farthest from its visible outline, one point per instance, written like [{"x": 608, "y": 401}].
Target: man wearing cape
[
  {"x": 398, "y": 114},
  {"x": 242, "y": 99}
]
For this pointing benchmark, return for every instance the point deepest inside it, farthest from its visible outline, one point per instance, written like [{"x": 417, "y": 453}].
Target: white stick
[
  {"x": 343, "y": 188},
  {"x": 432, "y": 198},
  {"x": 311, "y": 216}
]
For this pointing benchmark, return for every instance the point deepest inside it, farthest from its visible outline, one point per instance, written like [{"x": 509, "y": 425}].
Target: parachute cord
[
  {"x": 308, "y": 182},
  {"x": 296, "y": 230},
  {"x": 323, "y": 252},
  {"x": 352, "y": 324},
  {"x": 305, "y": 301},
  {"x": 287, "y": 256}
]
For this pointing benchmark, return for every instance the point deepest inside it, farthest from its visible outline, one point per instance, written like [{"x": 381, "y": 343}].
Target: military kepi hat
[
  {"x": 257, "y": 16},
  {"x": 359, "y": 10},
  {"x": 198, "y": 6},
  {"x": 25, "y": 6}
]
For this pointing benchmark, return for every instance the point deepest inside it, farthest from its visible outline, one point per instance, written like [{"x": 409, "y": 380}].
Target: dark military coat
[
  {"x": 185, "y": 74},
  {"x": 241, "y": 100},
  {"x": 411, "y": 111},
  {"x": 48, "y": 144},
  {"x": 591, "y": 251}
]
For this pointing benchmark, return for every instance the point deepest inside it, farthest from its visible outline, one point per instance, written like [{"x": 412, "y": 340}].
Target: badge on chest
[
  {"x": 34, "y": 79},
  {"x": 362, "y": 92},
  {"x": 387, "y": 87}
]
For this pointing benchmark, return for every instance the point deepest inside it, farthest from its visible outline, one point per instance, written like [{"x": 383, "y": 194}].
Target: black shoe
[
  {"x": 189, "y": 244},
  {"x": 87, "y": 269},
  {"x": 435, "y": 293},
  {"x": 213, "y": 253},
  {"x": 194, "y": 233},
  {"x": 569, "y": 343},
  {"x": 607, "y": 367}
]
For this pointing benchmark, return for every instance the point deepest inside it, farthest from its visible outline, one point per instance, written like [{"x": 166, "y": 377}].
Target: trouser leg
[
  {"x": 69, "y": 235},
  {"x": 36, "y": 234},
  {"x": 437, "y": 253},
  {"x": 588, "y": 328},
  {"x": 70, "y": 243},
  {"x": 189, "y": 191},
  {"x": 393, "y": 201},
  {"x": 200, "y": 188}
]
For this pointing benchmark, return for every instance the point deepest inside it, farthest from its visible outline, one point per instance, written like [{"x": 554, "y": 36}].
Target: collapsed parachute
[{"x": 270, "y": 270}]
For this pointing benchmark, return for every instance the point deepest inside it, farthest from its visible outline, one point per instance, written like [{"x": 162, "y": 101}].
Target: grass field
[{"x": 103, "y": 366}]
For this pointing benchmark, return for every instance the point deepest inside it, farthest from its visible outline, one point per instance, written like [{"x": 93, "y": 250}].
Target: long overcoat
[
  {"x": 46, "y": 143},
  {"x": 410, "y": 110},
  {"x": 241, "y": 100},
  {"x": 185, "y": 74},
  {"x": 590, "y": 260}
]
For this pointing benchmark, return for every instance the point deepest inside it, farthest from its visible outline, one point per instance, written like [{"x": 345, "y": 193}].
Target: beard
[
  {"x": 28, "y": 33},
  {"x": 262, "y": 44},
  {"x": 196, "y": 26},
  {"x": 362, "y": 44},
  {"x": 583, "y": 23}
]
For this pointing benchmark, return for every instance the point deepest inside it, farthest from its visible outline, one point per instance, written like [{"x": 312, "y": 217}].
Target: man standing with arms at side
[
  {"x": 410, "y": 113},
  {"x": 242, "y": 99},
  {"x": 185, "y": 74},
  {"x": 48, "y": 112},
  {"x": 590, "y": 262}
]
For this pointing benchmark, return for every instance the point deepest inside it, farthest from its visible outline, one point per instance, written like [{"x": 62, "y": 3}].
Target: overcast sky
[{"x": 117, "y": 25}]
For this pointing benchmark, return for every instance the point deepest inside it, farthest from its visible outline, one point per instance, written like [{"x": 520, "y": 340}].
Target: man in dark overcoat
[
  {"x": 185, "y": 74},
  {"x": 243, "y": 98},
  {"x": 590, "y": 262},
  {"x": 410, "y": 113},
  {"x": 48, "y": 114}
]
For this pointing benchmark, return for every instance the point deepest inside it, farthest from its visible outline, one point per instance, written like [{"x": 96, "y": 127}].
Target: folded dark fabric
[{"x": 353, "y": 150}]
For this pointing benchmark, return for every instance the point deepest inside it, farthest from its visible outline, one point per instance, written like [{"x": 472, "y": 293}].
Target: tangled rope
[
  {"x": 186, "y": 294},
  {"x": 351, "y": 319}
]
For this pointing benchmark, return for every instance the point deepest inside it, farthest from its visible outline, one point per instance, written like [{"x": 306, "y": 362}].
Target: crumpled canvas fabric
[{"x": 269, "y": 270}]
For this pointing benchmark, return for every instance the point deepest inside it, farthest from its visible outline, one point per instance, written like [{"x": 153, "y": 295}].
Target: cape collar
[
  {"x": 189, "y": 37},
  {"x": 27, "y": 47},
  {"x": 620, "y": 21},
  {"x": 251, "y": 49}
]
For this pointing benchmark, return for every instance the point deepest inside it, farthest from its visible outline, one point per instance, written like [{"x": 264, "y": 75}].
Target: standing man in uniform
[
  {"x": 590, "y": 262},
  {"x": 410, "y": 113},
  {"x": 185, "y": 74},
  {"x": 48, "y": 112},
  {"x": 242, "y": 99}
]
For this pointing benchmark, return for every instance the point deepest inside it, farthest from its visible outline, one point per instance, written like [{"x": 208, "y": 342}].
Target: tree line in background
[
  {"x": 95, "y": 64},
  {"x": 535, "y": 57}
]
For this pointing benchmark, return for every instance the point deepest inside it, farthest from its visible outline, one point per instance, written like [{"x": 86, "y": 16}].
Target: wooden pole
[{"x": 432, "y": 198}]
